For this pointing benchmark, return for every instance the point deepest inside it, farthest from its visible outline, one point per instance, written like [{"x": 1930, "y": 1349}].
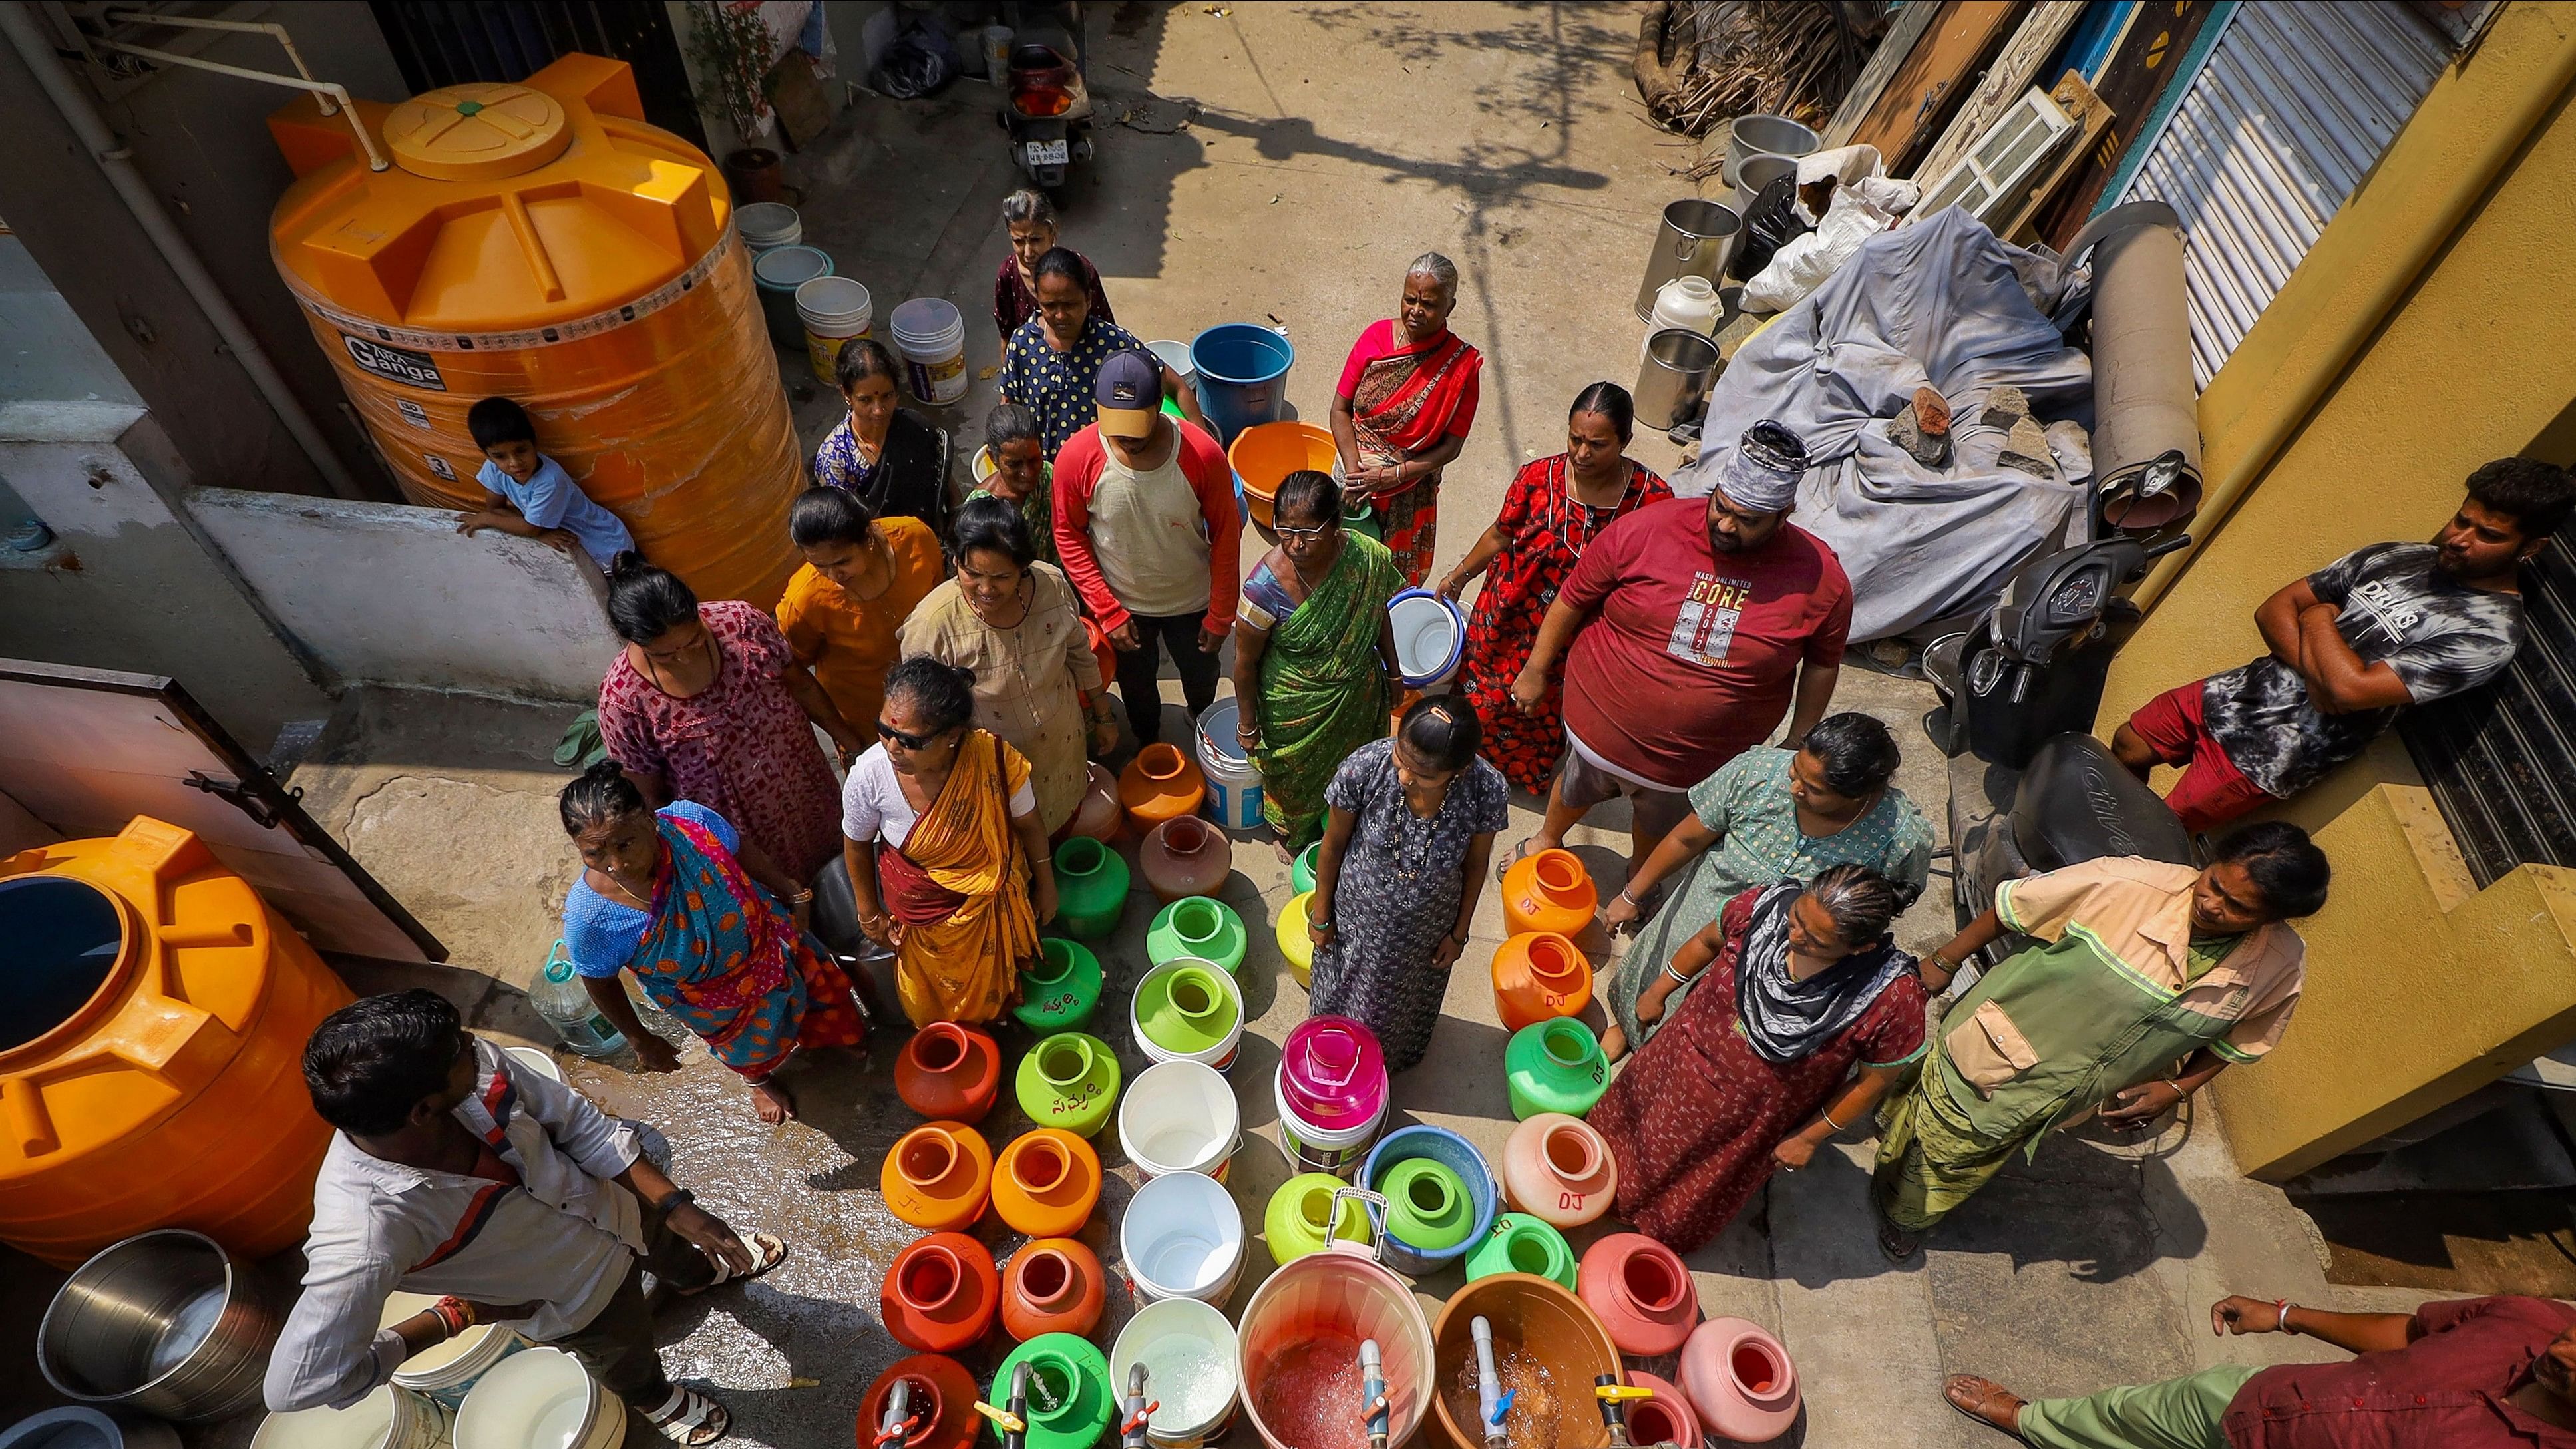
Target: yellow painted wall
[{"x": 2433, "y": 327}]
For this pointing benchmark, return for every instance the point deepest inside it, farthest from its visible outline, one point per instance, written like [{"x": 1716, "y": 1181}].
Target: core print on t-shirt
[{"x": 1704, "y": 625}]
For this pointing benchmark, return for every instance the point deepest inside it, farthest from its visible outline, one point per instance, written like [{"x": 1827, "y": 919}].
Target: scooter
[
  {"x": 2030, "y": 788},
  {"x": 1046, "y": 107}
]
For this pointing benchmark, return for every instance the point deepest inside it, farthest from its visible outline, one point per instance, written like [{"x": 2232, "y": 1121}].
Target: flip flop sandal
[
  {"x": 1987, "y": 1396},
  {"x": 691, "y": 1418},
  {"x": 767, "y": 1252},
  {"x": 1519, "y": 853},
  {"x": 1891, "y": 1239}
]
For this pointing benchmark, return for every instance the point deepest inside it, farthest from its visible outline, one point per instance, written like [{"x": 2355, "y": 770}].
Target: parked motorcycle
[
  {"x": 2030, "y": 788},
  {"x": 1046, "y": 107}
]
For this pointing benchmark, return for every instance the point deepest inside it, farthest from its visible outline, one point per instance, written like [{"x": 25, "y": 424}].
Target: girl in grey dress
[{"x": 1406, "y": 845}]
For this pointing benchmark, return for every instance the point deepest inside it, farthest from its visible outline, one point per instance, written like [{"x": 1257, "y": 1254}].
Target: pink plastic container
[
  {"x": 1640, "y": 1291},
  {"x": 1740, "y": 1380},
  {"x": 1300, "y": 1334},
  {"x": 1666, "y": 1418},
  {"x": 1332, "y": 1071}
]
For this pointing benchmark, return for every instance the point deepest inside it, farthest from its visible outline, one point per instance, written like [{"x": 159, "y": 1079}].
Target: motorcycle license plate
[{"x": 1050, "y": 153}]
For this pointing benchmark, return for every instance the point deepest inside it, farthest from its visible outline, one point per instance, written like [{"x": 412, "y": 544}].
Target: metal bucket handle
[{"x": 1373, "y": 1208}]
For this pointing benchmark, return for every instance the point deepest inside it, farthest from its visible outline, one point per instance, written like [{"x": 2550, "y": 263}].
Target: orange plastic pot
[
  {"x": 1054, "y": 1285},
  {"x": 1543, "y": 1337},
  {"x": 1160, "y": 784},
  {"x": 1548, "y": 891},
  {"x": 939, "y": 1404},
  {"x": 940, "y": 1293},
  {"x": 938, "y": 1176},
  {"x": 1537, "y": 976},
  {"x": 1103, "y": 653},
  {"x": 1047, "y": 1183},
  {"x": 949, "y": 1072}
]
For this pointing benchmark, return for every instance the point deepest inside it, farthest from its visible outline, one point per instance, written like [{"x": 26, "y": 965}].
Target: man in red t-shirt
[
  {"x": 1688, "y": 622},
  {"x": 2465, "y": 1373}
]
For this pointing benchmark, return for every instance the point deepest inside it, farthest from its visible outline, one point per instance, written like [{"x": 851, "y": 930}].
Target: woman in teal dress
[{"x": 1766, "y": 816}]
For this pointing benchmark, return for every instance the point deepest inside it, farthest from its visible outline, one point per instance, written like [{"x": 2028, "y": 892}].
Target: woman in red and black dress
[{"x": 1554, "y": 507}]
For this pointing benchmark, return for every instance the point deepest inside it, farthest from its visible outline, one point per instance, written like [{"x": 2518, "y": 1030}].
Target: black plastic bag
[
  {"x": 918, "y": 63},
  {"x": 1770, "y": 225}
]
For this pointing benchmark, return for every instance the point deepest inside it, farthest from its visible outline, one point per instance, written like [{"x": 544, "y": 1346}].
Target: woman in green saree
[{"x": 1314, "y": 654}]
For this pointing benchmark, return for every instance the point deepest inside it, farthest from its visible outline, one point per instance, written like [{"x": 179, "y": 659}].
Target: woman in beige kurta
[{"x": 1014, "y": 622}]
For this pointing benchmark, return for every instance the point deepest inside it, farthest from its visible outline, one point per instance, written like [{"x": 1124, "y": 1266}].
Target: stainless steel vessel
[
  {"x": 1694, "y": 239},
  {"x": 166, "y": 1322}
]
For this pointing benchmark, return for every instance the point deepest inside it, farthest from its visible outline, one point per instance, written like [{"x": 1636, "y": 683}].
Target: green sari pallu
[
  {"x": 1323, "y": 692},
  {"x": 2040, "y": 1041}
]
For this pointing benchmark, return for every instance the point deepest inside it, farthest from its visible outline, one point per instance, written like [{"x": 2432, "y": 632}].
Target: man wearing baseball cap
[{"x": 1146, "y": 525}]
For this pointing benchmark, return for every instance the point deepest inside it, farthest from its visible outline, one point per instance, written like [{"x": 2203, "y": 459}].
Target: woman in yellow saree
[{"x": 946, "y": 854}]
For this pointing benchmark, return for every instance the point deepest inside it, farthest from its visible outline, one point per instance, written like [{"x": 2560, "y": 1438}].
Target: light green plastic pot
[{"x": 1554, "y": 1066}]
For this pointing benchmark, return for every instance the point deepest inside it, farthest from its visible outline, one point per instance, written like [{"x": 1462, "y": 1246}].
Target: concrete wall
[
  {"x": 130, "y": 583},
  {"x": 202, "y": 141},
  {"x": 393, "y": 594},
  {"x": 2432, "y": 328}
]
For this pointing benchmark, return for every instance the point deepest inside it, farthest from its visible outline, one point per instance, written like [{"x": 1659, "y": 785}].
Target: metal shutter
[{"x": 2294, "y": 105}]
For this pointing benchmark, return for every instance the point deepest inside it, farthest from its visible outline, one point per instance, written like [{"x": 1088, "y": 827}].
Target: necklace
[
  {"x": 715, "y": 670},
  {"x": 1410, "y": 863},
  {"x": 1025, "y": 596}
]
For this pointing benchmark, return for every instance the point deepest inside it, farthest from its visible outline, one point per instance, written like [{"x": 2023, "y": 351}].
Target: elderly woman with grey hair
[
  {"x": 1756, "y": 1073},
  {"x": 1030, "y": 219},
  {"x": 1401, "y": 413}
]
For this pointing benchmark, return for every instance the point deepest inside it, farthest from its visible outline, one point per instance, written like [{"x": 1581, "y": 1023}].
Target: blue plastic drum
[{"x": 1242, "y": 376}]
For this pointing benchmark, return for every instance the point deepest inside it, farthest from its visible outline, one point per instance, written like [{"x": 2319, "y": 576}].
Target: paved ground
[{"x": 1331, "y": 144}]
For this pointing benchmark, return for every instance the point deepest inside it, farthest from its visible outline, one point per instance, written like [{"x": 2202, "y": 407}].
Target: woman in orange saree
[
  {"x": 1401, "y": 413},
  {"x": 946, "y": 855}
]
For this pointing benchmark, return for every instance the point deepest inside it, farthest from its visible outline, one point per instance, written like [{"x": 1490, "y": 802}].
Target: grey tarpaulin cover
[{"x": 1941, "y": 303}]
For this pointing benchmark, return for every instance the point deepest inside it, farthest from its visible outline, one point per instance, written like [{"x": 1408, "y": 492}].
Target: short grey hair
[
  {"x": 1438, "y": 268},
  {"x": 1027, "y": 205},
  {"x": 1860, "y": 900}
]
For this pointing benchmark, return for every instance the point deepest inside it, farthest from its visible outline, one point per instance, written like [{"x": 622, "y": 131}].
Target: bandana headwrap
[{"x": 1763, "y": 475}]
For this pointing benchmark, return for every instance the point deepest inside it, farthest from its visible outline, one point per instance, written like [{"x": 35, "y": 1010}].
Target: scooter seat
[{"x": 2075, "y": 803}]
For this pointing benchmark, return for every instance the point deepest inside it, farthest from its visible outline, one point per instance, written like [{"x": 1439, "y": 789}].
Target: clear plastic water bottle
[{"x": 561, "y": 999}]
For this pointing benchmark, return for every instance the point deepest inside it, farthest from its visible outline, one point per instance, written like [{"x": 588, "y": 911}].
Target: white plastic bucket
[
  {"x": 1233, "y": 781},
  {"x": 834, "y": 310},
  {"x": 766, "y": 224},
  {"x": 542, "y": 1063},
  {"x": 1222, "y": 1055},
  {"x": 1179, "y": 1117},
  {"x": 930, "y": 335},
  {"x": 447, "y": 1371},
  {"x": 389, "y": 1418},
  {"x": 996, "y": 41},
  {"x": 1430, "y": 638},
  {"x": 1324, "y": 1149},
  {"x": 1176, "y": 356},
  {"x": 1189, "y": 1352},
  {"x": 540, "y": 1399},
  {"x": 1182, "y": 1238}
]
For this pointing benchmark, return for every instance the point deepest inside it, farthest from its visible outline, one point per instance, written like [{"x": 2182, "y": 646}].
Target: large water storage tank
[
  {"x": 541, "y": 242},
  {"x": 152, "y": 1052}
]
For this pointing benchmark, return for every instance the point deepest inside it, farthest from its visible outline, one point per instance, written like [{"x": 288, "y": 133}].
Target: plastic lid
[{"x": 478, "y": 131}]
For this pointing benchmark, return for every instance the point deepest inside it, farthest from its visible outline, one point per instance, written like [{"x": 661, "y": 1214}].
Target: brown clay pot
[
  {"x": 755, "y": 174},
  {"x": 1185, "y": 856}
]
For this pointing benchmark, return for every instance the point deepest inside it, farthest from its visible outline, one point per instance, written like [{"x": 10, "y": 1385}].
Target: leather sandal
[
  {"x": 767, "y": 1252},
  {"x": 690, "y": 1418},
  {"x": 1984, "y": 1400}
]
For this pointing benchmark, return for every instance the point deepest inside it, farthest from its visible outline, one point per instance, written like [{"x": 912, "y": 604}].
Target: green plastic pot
[
  {"x": 1554, "y": 1066},
  {"x": 1519, "y": 1243},
  {"x": 1069, "y": 1080},
  {"x": 1293, "y": 1224},
  {"x": 1199, "y": 927},
  {"x": 1061, "y": 991},
  {"x": 1090, "y": 887},
  {"x": 1187, "y": 1009},
  {"x": 1301, "y": 871},
  {"x": 1070, "y": 1404},
  {"x": 1427, "y": 1206}
]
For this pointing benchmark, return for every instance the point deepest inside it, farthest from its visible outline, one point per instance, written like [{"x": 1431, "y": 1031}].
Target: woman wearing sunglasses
[
  {"x": 941, "y": 835},
  {"x": 1314, "y": 654},
  {"x": 1014, "y": 624}
]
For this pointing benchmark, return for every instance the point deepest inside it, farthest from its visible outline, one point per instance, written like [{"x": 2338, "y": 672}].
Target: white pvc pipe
[
  {"x": 117, "y": 161},
  {"x": 327, "y": 90},
  {"x": 268, "y": 28}
]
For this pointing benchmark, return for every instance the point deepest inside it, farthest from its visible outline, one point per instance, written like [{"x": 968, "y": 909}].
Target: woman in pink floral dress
[{"x": 706, "y": 703}]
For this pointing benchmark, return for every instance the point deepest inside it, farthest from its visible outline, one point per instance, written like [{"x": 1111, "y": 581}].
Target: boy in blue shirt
[{"x": 529, "y": 494}]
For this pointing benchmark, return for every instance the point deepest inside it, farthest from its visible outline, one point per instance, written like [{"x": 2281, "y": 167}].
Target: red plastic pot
[
  {"x": 1740, "y": 1380},
  {"x": 1640, "y": 1291},
  {"x": 949, "y": 1071},
  {"x": 1054, "y": 1285},
  {"x": 940, "y": 1294},
  {"x": 1664, "y": 1419},
  {"x": 940, "y": 1402}
]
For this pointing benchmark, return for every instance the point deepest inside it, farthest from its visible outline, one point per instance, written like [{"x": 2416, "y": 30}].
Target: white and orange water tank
[
  {"x": 152, "y": 1054},
  {"x": 542, "y": 242}
]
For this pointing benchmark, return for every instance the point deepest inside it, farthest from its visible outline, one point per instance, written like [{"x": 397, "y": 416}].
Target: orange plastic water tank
[
  {"x": 151, "y": 1059},
  {"x": 541, "y": 242}
]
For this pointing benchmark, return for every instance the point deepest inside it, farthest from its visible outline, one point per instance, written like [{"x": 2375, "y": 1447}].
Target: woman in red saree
[{"x": 1406, "y": 399}]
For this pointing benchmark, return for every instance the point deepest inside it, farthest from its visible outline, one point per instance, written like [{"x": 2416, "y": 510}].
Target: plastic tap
[
  {"x": 898, "y": 1422},
  {"x": 1378, "y": 1411},
  {"x": 1493, "y": 1405},
  {"x": 1131, "y": 1429},
  {"x": 1612, "y": 1396},
  {"x": 1012, "y": 1421}
]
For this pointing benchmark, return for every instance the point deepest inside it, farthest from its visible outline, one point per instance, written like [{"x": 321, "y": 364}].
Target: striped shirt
[{"x": 562, "y": 1236}]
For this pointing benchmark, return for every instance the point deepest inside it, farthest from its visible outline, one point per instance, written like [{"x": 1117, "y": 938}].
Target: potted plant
[{"x": 731, "y": 50}]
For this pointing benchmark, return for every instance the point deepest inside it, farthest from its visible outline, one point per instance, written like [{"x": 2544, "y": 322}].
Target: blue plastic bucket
[
  {"x": 1430, "y": 637},
  {"x": 777, "y": 273},
  {"x": 1453, "y": 1152},
  {"x": 1242, "y": 376}
]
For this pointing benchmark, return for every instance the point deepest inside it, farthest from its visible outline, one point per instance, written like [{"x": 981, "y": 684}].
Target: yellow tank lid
[{"x": 479, "y": 131}]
